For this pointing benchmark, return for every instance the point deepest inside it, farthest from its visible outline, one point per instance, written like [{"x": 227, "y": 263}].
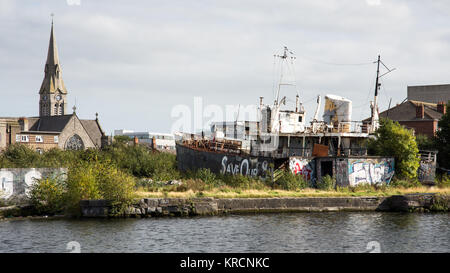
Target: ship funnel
[{"x": 338, "y": 111}]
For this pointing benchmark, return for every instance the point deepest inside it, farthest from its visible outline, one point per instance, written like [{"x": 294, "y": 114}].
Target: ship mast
[
  {"x": 287, "y": 55},
  {"x": 375, "y": 124}
]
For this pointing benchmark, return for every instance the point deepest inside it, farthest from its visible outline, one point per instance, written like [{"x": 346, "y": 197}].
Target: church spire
[
  {"x": 53, "y": 93},
  {"x": 53, "y": 81}
]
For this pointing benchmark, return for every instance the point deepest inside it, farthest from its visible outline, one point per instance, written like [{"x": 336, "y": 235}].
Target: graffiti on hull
[
  {"x": 302, "y": 166},
  {"x": 370, "y": 171},
  {"x": 426, "y": 171},
  {"x": 245, "y": 166}
]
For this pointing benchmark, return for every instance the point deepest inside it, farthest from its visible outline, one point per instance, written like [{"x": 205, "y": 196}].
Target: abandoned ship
[{"x": 281, "y": 139}]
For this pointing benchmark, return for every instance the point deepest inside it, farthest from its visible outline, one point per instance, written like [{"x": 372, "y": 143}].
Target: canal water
[{"x": 284, "y": 232}]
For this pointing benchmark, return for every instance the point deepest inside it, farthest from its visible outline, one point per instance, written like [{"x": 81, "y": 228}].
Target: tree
[
  {"x": 122, "y": 139},
  {"x": 392, "y": 139},
  {"x": 442, "y": 140},
  {"x": 425, "y": 143}
]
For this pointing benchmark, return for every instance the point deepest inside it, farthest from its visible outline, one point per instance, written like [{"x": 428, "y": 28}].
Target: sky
[{"x": 134, "y": 62}]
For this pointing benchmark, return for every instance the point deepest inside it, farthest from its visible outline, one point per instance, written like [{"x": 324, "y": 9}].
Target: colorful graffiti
[
  {"x": 18, "y": 181},
  {"x": 426, "y": 171},
  {"x": 303, "y": 166},
  {"x": 370, "y": 171}
]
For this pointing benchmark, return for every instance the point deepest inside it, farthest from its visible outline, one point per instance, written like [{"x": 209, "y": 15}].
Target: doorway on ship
[{"x": 326, "y": 168}]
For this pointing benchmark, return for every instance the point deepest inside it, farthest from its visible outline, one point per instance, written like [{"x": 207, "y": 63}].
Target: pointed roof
[
  {"x": 53, "y": 77},
  {"x": 406, "y": 111}
]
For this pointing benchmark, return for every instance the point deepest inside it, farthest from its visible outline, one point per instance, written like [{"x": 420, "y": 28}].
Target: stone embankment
[{"x": 155, "y": 207}]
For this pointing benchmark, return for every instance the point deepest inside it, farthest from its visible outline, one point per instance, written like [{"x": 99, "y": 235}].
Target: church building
[{"x": 54, "y": 127}]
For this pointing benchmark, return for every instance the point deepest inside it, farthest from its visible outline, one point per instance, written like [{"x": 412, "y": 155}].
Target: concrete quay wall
[{"x": 157, "y": 207}]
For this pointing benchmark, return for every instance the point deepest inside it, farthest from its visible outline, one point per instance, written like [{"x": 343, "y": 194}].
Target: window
[
  {"x": 56, "y": 109},
  {"x": 300, "y": 119},
  {"x": 55, "y": 139},
  {"x": 39, "y": 139},
  {"x": 74, "y": 143},
  {"x": 23, "y": 138}
]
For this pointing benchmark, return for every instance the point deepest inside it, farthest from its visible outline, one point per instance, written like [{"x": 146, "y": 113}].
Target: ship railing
[
  {"x": 229, "y": 146},
  {"x": 428, "y": 156},
  {"x": 354, "y": 152},
  {"x": 339, "y": 127},
  {"x": 349, "y": 127},
  {"x": 303, "y": 152}
]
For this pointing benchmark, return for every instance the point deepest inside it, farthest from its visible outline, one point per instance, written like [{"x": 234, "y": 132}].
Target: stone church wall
[{"x": 73, "y": 127}]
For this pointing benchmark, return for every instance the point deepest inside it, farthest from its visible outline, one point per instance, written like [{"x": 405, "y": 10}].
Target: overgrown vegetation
[
  {"x": 442, "y": 139},
  {"x": 424, "y": 143},
  {"x": 85, "y": 180},
  {"x": 326, "y": 183},
  {"x": 292, "y": 182},
  {"x": 405, "y": 183},
  {"x": 392, "y": 139},
  {"x": 443, "y": 181},
  {"x": 121, "y": 170}
]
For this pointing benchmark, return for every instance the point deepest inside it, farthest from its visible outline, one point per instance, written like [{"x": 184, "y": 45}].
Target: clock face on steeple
[
  {"x": 44, "y": 97},
  {"x": 58, "y": 97}
]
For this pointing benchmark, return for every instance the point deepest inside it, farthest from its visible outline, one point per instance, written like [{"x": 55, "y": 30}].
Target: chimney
[
  {"x": 420, "y": 111},
  {"x": 297, "y": 103},
  {"x": 154, "y": 143},
  {"x": 441, "y": 107},
  {"x": 23, "y": 124}
]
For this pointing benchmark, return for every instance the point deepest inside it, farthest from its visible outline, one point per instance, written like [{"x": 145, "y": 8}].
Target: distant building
[
  {"x": 429, "y": 93},
  {"x": 420, "y": 116},
  {"x": 54, "y": 128},
  {"x": 234, "y": 129},
  {"x": 159, "y": 141}
]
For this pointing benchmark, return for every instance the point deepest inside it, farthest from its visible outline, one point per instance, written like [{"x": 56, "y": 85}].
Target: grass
[{"x": 228, "y": 192}]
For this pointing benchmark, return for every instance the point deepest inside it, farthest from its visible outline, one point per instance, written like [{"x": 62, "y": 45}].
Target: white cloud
[
  {"x": 132, "y": 62},
  {"x": 373, "y": 2}
]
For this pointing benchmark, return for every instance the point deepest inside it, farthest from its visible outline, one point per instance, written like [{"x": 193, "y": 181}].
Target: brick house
[{"x": 420, "y": 116}]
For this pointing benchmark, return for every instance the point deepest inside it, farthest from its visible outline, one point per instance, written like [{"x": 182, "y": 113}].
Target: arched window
[
  {"x": 44, "y": 109},
  {"x": 74, "y": 143},
  {"x": 56, "y": 109},
  {"x": 61, "y": 109}
]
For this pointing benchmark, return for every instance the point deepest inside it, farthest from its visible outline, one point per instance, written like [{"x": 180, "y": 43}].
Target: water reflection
[{"x": 287, "y": 232}]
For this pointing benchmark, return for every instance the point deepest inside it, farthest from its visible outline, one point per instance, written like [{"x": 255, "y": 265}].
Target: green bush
[
  {"x": 85, "y": 180},
  {"x": 442, "y": 139},
  {"x": 326, "y": 183},
  {"x": 292, "y": 182},
  {"x": 20, "y": 156},
  {"x": 404, "y": 183},
  {"x": 208, "y": 177},
  {"x": 115, "y": 186},
  {"x": 122, "y": 139},
  {"x": 443, "y": 181},
  {"x": 136, "y": 160},
  {"x": 424, "y": 142},
  {"x": 192, "y": 184},
  {"x": 142, "y": 162},
  {"x": 242, "y": 181},
  {"x": 392, "y": 139},
  {"x": 98, "y": 180},
  {"x": 47, "y": 195}
]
